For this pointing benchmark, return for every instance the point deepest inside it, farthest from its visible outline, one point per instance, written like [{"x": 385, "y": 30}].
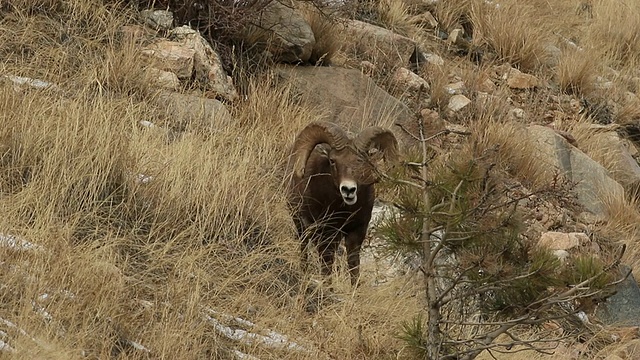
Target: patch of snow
[
  {"x": 144, "y": 178},
  {"x": 271, "y": 339},
  {"x": 17, "y": 243},
  {"x": 6, "y": 347},
  {"x": 139, "y": 346},
  {"x": 41, "y": 311},
  {"x": 148, "y": 124},
  {"x": 240, "y": 355},
  {"x": 34, "y": 83}
]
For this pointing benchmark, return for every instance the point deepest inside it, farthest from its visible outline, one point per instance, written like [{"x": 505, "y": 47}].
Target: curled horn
[
  {"x": 381, "y": 138},
  {"x": 313, "y": 134}
]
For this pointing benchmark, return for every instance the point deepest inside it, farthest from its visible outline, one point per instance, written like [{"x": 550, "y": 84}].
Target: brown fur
[{"x": 321, "y": 215}]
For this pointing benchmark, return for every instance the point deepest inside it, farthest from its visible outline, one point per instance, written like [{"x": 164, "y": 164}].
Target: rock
[
  {"x": 553, "y": 55},
  {"x": 368, "y": 67},
  {"x": 187, "y": 54},
  {"x": 207, "y": 63},
  {"x": 380, "y": 43},
  {"x": 288, "y": 35},
  {"x": 432, "y": 121},
  {"x": 487, "y": 86},
  {"x": 157, "y": 19},
  {"x": 516, "y": 113},
  {"x": 164, "y": 79},
  {"x": 592, "y": 181},
  {"x": 434, "y": 59},
  {"x": 425, "y": 18},
  {"x": 455, "y": 88},
  {"x": 622, "y": 307},
  {"x": 194, "y": 111},
  {"x": 623, "y": 167},
  {"x": 455, "y": 36},
  {"x": 562, "y": 255},
  {"x": 521, "y": 81},
  {"x": 20, "y": 83},
  {"x": 458, "y": 102},
  {"x": 563, "y": 241},
  {"x": 133, "y": 32},
  {"x": 171, "y": 56},
  {"x": 350, "y": 98},
  {"x": 406, "y": 79}
]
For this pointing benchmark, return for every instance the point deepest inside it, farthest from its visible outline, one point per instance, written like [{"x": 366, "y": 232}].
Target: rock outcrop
[
  {"x": 593, "y": 182},
  {"x": 349, "y": 97},
  {"x": 288, "y": 36}
]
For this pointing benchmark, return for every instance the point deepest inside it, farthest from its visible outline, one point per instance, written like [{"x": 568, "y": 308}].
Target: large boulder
[
  {"x": 593, "y": 182},
  {"x": 188, "y": 55},
  {"x": 622, "y": 307},
  {"x": 618, "y": 157},
  {"x": 380, "y": 43},
  {"x": 195, "y": 112},
  {"x": 288, "y": 35},
  {"x": 349, "y": 98},
  {"x": 171, "y": 56},
  {"x": 206, "y": 62}
]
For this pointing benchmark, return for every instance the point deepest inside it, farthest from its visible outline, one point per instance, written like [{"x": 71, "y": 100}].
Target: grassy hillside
[{"x": 119, "y": 242}]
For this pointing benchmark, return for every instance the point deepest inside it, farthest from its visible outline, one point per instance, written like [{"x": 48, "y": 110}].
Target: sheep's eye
[{"x": 332, "y": 162}]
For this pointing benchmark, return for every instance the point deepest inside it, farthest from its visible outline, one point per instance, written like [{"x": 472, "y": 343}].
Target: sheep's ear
[{"x": 323, "y": 149}]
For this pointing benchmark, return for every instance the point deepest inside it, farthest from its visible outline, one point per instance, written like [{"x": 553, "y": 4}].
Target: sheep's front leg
[
  {"x": 327, "y": 249},
  {"x": 354, "y": 242}
]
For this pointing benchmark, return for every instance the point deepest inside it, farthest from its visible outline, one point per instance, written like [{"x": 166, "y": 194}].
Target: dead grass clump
[
  {"x": 513, "y": 32},
  {"x": 576, "y": 71},
  {"x": 395, "y": 16},
  {"x": 454, "y": 14},
  {"x": 613, "y": 30},
  {"x": 438, "y": 78},
  {"x": 58, "y": 46},
  {"x": 327, "y": 31},
  {"x": 513, "y": 149}
]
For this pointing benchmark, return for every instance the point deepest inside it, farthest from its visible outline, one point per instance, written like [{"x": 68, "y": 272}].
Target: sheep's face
[{"x": 349, "y": 172}]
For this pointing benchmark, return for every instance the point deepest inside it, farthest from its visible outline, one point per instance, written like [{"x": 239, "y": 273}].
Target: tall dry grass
[{"x": 138, "y": 236}]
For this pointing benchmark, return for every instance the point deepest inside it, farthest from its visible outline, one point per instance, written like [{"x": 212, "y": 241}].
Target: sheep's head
[{"x": 349, "y": 160}]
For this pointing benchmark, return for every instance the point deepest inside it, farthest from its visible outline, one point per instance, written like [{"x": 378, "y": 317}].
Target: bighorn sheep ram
[{"x": 331, "y": 190}]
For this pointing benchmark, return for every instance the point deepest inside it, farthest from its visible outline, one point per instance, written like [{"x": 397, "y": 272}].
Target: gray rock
[
  {"x": 380, "y": 43},
  {"x": 350, "y": 98},
  {"x": 288, "y": 35},
  {"x": 157, "y": 19},
  {"x": 194, "y": 111},
  {"x": 404, "y": 78},
  {"x": 622, "y": 308},
  {"x": 592, "y": 181},
  {"x": 622, "y": 165},
  {"x": 434, "y": 59}
]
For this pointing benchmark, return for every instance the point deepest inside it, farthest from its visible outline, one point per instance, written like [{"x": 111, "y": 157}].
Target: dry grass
[
  {"x": 514, "y": 33},
  {"x": 453, "y": 14},
  {"x": 613, "y": 30},
  {"x": 328, "y": 32},
  {"x": 576, "y": 71},
  {"x": 395, "y": 16},
  {"x": 509, "y": 144},
  {"x": 125, "y": 258}
]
